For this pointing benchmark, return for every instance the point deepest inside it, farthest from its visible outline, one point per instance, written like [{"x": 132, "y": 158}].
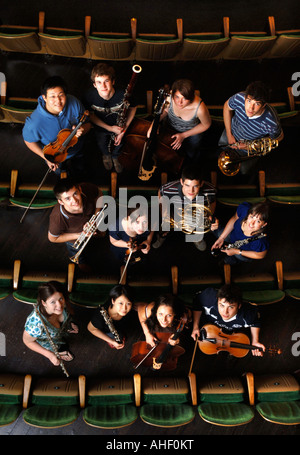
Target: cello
[
  {"x": 213, "y": 340},
  {"x": 162, "y": 355},
  {"x": 145, "y": 155}
]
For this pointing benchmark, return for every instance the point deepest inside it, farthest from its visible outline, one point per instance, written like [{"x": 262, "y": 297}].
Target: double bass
[
  {"x": 146, "y": 154},
  {"x": 161, "y": 356}
]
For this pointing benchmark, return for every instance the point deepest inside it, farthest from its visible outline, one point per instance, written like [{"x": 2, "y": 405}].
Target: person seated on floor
[
  {"x": 76, "y": 204},
  {"x": 110, "y": 320},
  {"x": 56, "y": 111},
  {"x": 244, "y": 234},
  {"x": 48, "y": 325},
  {"x": 105, "y": 102},
  {"x": 130, "y": 235},
  {"x": 190, "y": 189},
  {"x": 162, "y": 315},
  {"x": 187, "y": 117},
  {"x": 248, "y": 116},
  {"x": 225, "y": 309}
]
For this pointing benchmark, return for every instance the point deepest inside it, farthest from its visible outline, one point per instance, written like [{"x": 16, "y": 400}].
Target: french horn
[
  {"x": 193, "y": 218},
  {"x": 229, "y": 160}
]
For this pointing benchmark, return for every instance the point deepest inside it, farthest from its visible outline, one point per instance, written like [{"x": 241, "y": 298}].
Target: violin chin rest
[{"x": 203, "y": 334}]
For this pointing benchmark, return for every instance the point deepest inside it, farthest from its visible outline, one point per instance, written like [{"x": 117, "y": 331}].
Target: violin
[
  {"x": 134, "y": 256},
  {"x": 57, "y": 151},
  {"x": 161, "y": 356},
  {"x": 213, "y": 340}
]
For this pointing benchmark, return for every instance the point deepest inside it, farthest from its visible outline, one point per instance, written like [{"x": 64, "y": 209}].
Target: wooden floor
[{"x": 28, "y": 242}]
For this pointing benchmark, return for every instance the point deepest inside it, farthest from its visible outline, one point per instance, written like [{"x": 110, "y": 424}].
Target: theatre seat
[
  {"x": 61, "y": 41},
  {"x": 167, "y": 401},
  {"x": 259, "y": 288},
  {"x": 89, "y": 291},
  {"x": 186, "y": 287},
  {"x": 205, "y": 45},
  {"x": 53, "y": 403},
  {"x": 21, "y": 194},
  {"x": 291, "y": 283},
  {"x": 226, "y": 401},
  {"x": 250, "y": 45},
  {"x": 6, "y": 282},
  {"x": 15, "y": 109},
  {"x": 283, "y": 192},
  {"x": 234, "y": 194},
  {"x": 16, "y": 38},
  {"x": 277, "y": 398},
  {"x": 26, "y": 282},
  {"x": 158, "y": 47},
  {"x": 109, "y": 45},
  {"x": 110, "y": 402},
  {"x": 14, "y": 390}
]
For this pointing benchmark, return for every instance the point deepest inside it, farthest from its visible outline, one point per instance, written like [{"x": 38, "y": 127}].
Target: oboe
[
  {"x": 108, "y": 322},
  {"x": 53, "y": 345},
  {"x": 122, "y": 113}
]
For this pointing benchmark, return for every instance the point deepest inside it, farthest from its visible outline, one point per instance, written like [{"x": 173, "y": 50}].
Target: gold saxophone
[
  {"x": 109, "y": 323},
  {"x": 229, "y": 160}
]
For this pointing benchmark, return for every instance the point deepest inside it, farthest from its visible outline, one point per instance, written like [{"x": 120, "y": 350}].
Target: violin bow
[
  {"x": 192, "y": 361},
  {"x": 152, "y": 349},
  {"x": 127, "y": 262},
  {"x": 34, "y": 196}
]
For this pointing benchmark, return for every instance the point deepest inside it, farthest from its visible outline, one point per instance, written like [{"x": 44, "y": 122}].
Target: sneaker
[
  {"x": 107, "y": 162},
  {"x": 118, "y": 165},
  {"x": 159, "y": 241},
  {"x": 201, "y": 246}
]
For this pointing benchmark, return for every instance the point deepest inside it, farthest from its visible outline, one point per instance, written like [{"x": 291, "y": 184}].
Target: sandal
[{"x": 66, "y": 356}]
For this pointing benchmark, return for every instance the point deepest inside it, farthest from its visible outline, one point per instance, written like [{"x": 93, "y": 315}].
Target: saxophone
[
  {"x": 109, "y": 323},
  {"x": 229, "y": 160},
  {"x": 122, "y": 112}
]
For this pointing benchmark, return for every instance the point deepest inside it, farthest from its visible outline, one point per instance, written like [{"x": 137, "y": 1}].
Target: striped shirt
[
  {"x": 173, "y": 190},
  {"x": 243, "y": 127},
  {"x": 178, "y": 123}
]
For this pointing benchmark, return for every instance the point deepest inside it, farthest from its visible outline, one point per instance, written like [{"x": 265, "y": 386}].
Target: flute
[{"x": 53, "y": 345}]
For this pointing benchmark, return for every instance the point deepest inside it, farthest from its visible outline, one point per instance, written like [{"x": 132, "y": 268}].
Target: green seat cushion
[
  {"x": 285, "y": 199},
  {"x": 51, "y": 416},
  {"x": 110, "y": 416},
  {"x": 37, "y": 204},
  {"x": 263, "y": 297},
  {"x": 9, "y": 413},
  {"x": 235, "y": 201},
  {"x": 26, "y": 295},
  {"x": 4, "y": 292},
  {"x": 85, "y": 299},
  {"x": 295, "y": 293},
  {"x": 227, "y": 414},
  {"x": 287, "y": 412},
  {"x": 167, "y": 415}
]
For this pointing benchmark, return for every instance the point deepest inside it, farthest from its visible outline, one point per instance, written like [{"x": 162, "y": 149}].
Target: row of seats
[
  {"x": 20, "y": 194},
  {"x": 163, "y": 402},
  {"x": 85, "y": 43},
  {"x": 259, "y": 288},
  {"x": 17, "y": 109}
]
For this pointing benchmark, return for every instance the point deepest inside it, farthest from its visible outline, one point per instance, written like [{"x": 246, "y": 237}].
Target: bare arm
[
  {"x": 32, "y": 344},
  {"x": 196, "y": 321},
  {"x": 227, "y": 117},
  {"x": 37, "y": 149},
  {"x": 99, "y": 334},
  {"x": 141, "y": 308}
]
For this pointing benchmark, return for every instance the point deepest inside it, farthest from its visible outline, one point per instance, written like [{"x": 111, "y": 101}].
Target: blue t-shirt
[
  {"x": 207, "y": 302},
  {"x": 257, "y": 245},
  {"x": 243, "y": 127},
  {"x": 43, "y": 127}
]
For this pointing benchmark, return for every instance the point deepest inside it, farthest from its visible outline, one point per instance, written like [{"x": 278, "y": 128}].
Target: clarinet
[
  {"x": 237, "y": 244},
  {"x": 122, "y": 113},
  {"x": 53, "y": 345},
  {"x": 108, "y": 322}
]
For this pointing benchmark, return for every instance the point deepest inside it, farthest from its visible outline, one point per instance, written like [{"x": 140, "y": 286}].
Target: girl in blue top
[{"x": 247, "y": 224}]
